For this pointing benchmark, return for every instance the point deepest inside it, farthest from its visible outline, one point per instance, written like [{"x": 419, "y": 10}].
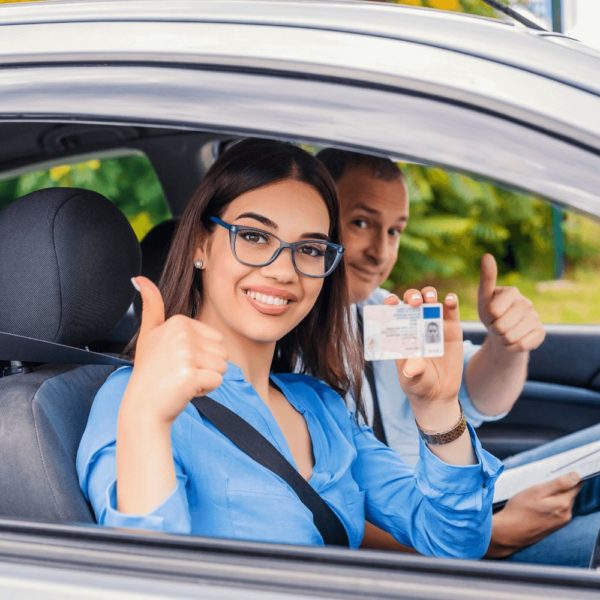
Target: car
[{"x": 101, "y": 80}]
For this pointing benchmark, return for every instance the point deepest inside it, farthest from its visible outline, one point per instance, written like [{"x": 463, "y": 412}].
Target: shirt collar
[{"x": 233, "y": 373}]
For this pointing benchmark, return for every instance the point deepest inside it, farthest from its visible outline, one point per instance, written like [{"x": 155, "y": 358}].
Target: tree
[{"x": 476, "y": 7}]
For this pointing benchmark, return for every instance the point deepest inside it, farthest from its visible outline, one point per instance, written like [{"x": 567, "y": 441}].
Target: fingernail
[
  {"x": 430, "y": 294},
  {"x": 574, "y": 477},
  {"x": 406, "y": 374},
  {"x": 415, "y": 297},
  {"x": 451, "y": 297},
  {"x": 134, "y": 283}
]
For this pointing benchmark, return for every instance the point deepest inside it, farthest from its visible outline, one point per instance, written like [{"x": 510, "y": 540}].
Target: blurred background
[{"x": 552, "y": 255}]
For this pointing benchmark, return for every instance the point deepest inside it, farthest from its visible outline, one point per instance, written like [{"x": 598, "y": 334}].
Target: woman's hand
[
  {"x": 432, "y": 384},
  {"x": 175, "y": 360}
]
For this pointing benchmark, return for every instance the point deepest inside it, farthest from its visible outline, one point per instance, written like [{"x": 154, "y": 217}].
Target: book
[{"x": 585, "y": 460}]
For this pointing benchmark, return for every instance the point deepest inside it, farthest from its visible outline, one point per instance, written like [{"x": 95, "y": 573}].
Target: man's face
[{"x": 374, "y": 213}]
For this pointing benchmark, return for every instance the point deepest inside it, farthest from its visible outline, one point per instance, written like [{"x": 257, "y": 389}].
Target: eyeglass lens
[{"x": 256, "y": 248}]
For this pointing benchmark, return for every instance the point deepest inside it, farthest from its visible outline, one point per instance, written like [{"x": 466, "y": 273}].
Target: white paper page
[{"x": 585, "y": 460}]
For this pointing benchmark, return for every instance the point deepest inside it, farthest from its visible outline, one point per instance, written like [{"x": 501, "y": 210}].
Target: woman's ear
[
  {"x": 200, "y": 254},
  {"x": 199, "y": 259}
]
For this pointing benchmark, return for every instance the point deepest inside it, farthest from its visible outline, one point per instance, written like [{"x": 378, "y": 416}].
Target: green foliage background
[
  {"x": 455, "y": 219},
  {"x": 128, "y": 181},
  {"x": 476, "y": 7}
]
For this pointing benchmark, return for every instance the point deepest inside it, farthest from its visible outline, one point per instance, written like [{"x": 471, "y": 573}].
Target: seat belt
[
  {"x": 26, "y": 349},
  {"x": 260, "y": 449},
  {"x": 378, "y": 429},
  {"x": 240, "y": 432}
]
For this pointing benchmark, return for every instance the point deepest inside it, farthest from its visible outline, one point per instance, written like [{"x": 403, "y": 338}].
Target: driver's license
[{"x": 402, "y": 331}]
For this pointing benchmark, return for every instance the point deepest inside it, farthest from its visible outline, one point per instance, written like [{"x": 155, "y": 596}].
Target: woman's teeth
[{"x": 265, "y": 299}]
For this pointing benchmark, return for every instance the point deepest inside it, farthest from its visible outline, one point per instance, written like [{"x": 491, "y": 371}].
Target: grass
[{"x": 572, "y": 300}]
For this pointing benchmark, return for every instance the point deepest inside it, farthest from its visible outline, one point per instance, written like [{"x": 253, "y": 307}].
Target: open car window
[{"x": 127, "y": 180}]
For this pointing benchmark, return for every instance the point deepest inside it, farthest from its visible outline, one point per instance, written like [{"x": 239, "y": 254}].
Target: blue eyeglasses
[{"x": 258, "y": 248}]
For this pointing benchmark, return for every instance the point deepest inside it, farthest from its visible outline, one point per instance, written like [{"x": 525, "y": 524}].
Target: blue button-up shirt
[{"x": 439, "y": 509}]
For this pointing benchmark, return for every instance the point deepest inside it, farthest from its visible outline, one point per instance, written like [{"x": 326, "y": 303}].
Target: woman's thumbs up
[
  {"x": 153, "y": 306},
  {"x": 176, "y": 359}
]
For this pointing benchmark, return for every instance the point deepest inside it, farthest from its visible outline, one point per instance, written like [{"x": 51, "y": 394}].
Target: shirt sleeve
[
  {"x": 437, "y": 508},
  {"x": 472, "y": 414},
  {"x": 96, "y": 468}
]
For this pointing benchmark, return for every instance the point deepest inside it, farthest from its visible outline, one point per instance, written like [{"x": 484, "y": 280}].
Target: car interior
[{"x": 62, "y": 288}]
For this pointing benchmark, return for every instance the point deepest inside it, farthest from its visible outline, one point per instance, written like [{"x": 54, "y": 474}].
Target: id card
[{"x": 402, "y": 331}]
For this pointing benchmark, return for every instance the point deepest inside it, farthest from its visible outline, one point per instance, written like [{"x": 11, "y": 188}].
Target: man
[{"x": 374, "y": 212}]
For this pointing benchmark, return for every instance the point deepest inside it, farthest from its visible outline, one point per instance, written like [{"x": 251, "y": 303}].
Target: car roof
[
  {"x": 540, "y": 52},
  {"x": 472, "y": 94},
  {"x": 493, "y": 65}
]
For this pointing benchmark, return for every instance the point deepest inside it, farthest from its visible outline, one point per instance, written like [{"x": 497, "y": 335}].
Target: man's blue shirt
[{"x": 437, "y": 508}]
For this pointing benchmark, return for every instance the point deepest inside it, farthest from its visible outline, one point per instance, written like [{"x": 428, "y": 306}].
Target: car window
[
  {"x": 552, "y": 255},
  {"x": 129, "y": 181}
]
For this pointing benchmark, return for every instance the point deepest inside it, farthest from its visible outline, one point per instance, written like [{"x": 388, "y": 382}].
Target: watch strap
[{"x": 444, "y": 437}]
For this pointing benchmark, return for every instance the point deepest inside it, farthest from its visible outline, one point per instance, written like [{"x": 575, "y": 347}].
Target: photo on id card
[{"x": 402, "y": 331}]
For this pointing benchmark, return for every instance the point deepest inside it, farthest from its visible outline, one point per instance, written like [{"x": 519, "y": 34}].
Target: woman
[{"x": 253, "y": 286}]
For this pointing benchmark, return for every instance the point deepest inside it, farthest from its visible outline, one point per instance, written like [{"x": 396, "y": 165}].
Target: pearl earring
[{"x": 199, "y": 264}]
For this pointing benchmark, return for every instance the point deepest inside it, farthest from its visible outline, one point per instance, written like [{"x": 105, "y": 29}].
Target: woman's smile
[{"x": 269, "y": 300}]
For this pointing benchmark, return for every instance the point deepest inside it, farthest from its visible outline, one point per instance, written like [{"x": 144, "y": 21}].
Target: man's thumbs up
[
  {"x": 506, "y": 312},
  {"x": 487, "y": 280},
  {"x": 153, "y": 307}
]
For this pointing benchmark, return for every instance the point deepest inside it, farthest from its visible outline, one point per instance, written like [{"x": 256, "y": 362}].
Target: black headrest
[
  {"x": 155, "y": 247},
  {"x": 66, "y": 259}
]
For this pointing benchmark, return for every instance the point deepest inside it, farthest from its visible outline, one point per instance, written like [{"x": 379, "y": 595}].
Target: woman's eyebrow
[
  {"x": 260, "y": 218},
  {"x": 266, "y": 221},
  {"x": 316, "y": 236}
]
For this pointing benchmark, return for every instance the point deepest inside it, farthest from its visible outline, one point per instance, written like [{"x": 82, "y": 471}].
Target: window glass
[
  {"x": 551, "y": 255},
  {"x": 128, "y": 181}
]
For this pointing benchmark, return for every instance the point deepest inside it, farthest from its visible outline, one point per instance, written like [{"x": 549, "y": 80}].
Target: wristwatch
[{"x": 445, "y": 437}]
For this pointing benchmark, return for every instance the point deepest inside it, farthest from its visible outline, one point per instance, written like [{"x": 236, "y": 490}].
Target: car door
[
  {"x": 561, "y": 395},
  {"x": 246, "y": 77}
]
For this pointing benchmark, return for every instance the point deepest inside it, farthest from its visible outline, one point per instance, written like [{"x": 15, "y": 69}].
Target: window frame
[{"x": 316, "y": 109}]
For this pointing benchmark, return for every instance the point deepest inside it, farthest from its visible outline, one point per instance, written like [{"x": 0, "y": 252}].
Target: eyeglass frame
[{"x": 234, "y": 229}]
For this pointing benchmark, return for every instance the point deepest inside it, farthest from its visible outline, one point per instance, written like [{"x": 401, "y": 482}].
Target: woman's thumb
[
  {"x": 153, "y": 306},
  {"x": 413, "y": 367}
]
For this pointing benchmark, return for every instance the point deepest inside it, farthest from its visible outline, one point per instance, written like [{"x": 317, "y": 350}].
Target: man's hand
[
  {"x": 508, "y": 316},
  {"x": 533, "y": 514},
  {"x": 496, "y": 373}
]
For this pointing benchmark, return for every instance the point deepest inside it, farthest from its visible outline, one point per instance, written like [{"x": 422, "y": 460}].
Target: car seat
[
  {"x": 66, "y": 259},
  {"x": 155, "y": 247}
]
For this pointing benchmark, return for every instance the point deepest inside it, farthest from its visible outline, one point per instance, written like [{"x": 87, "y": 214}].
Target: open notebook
[{"x": 583, "y": 459}]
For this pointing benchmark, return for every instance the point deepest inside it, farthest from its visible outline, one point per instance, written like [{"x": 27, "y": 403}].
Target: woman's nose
[{"x": 282, "y": 268}]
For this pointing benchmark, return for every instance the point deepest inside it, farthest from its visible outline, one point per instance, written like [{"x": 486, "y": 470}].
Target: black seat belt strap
[
  {"x": 25, "y": 349},
  {"x": 378, "y": 429},
  {"x": 260, "y": 449}
]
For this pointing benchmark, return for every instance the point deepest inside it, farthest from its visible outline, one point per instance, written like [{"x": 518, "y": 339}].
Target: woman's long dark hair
[{"x": 324, "y": 343}]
